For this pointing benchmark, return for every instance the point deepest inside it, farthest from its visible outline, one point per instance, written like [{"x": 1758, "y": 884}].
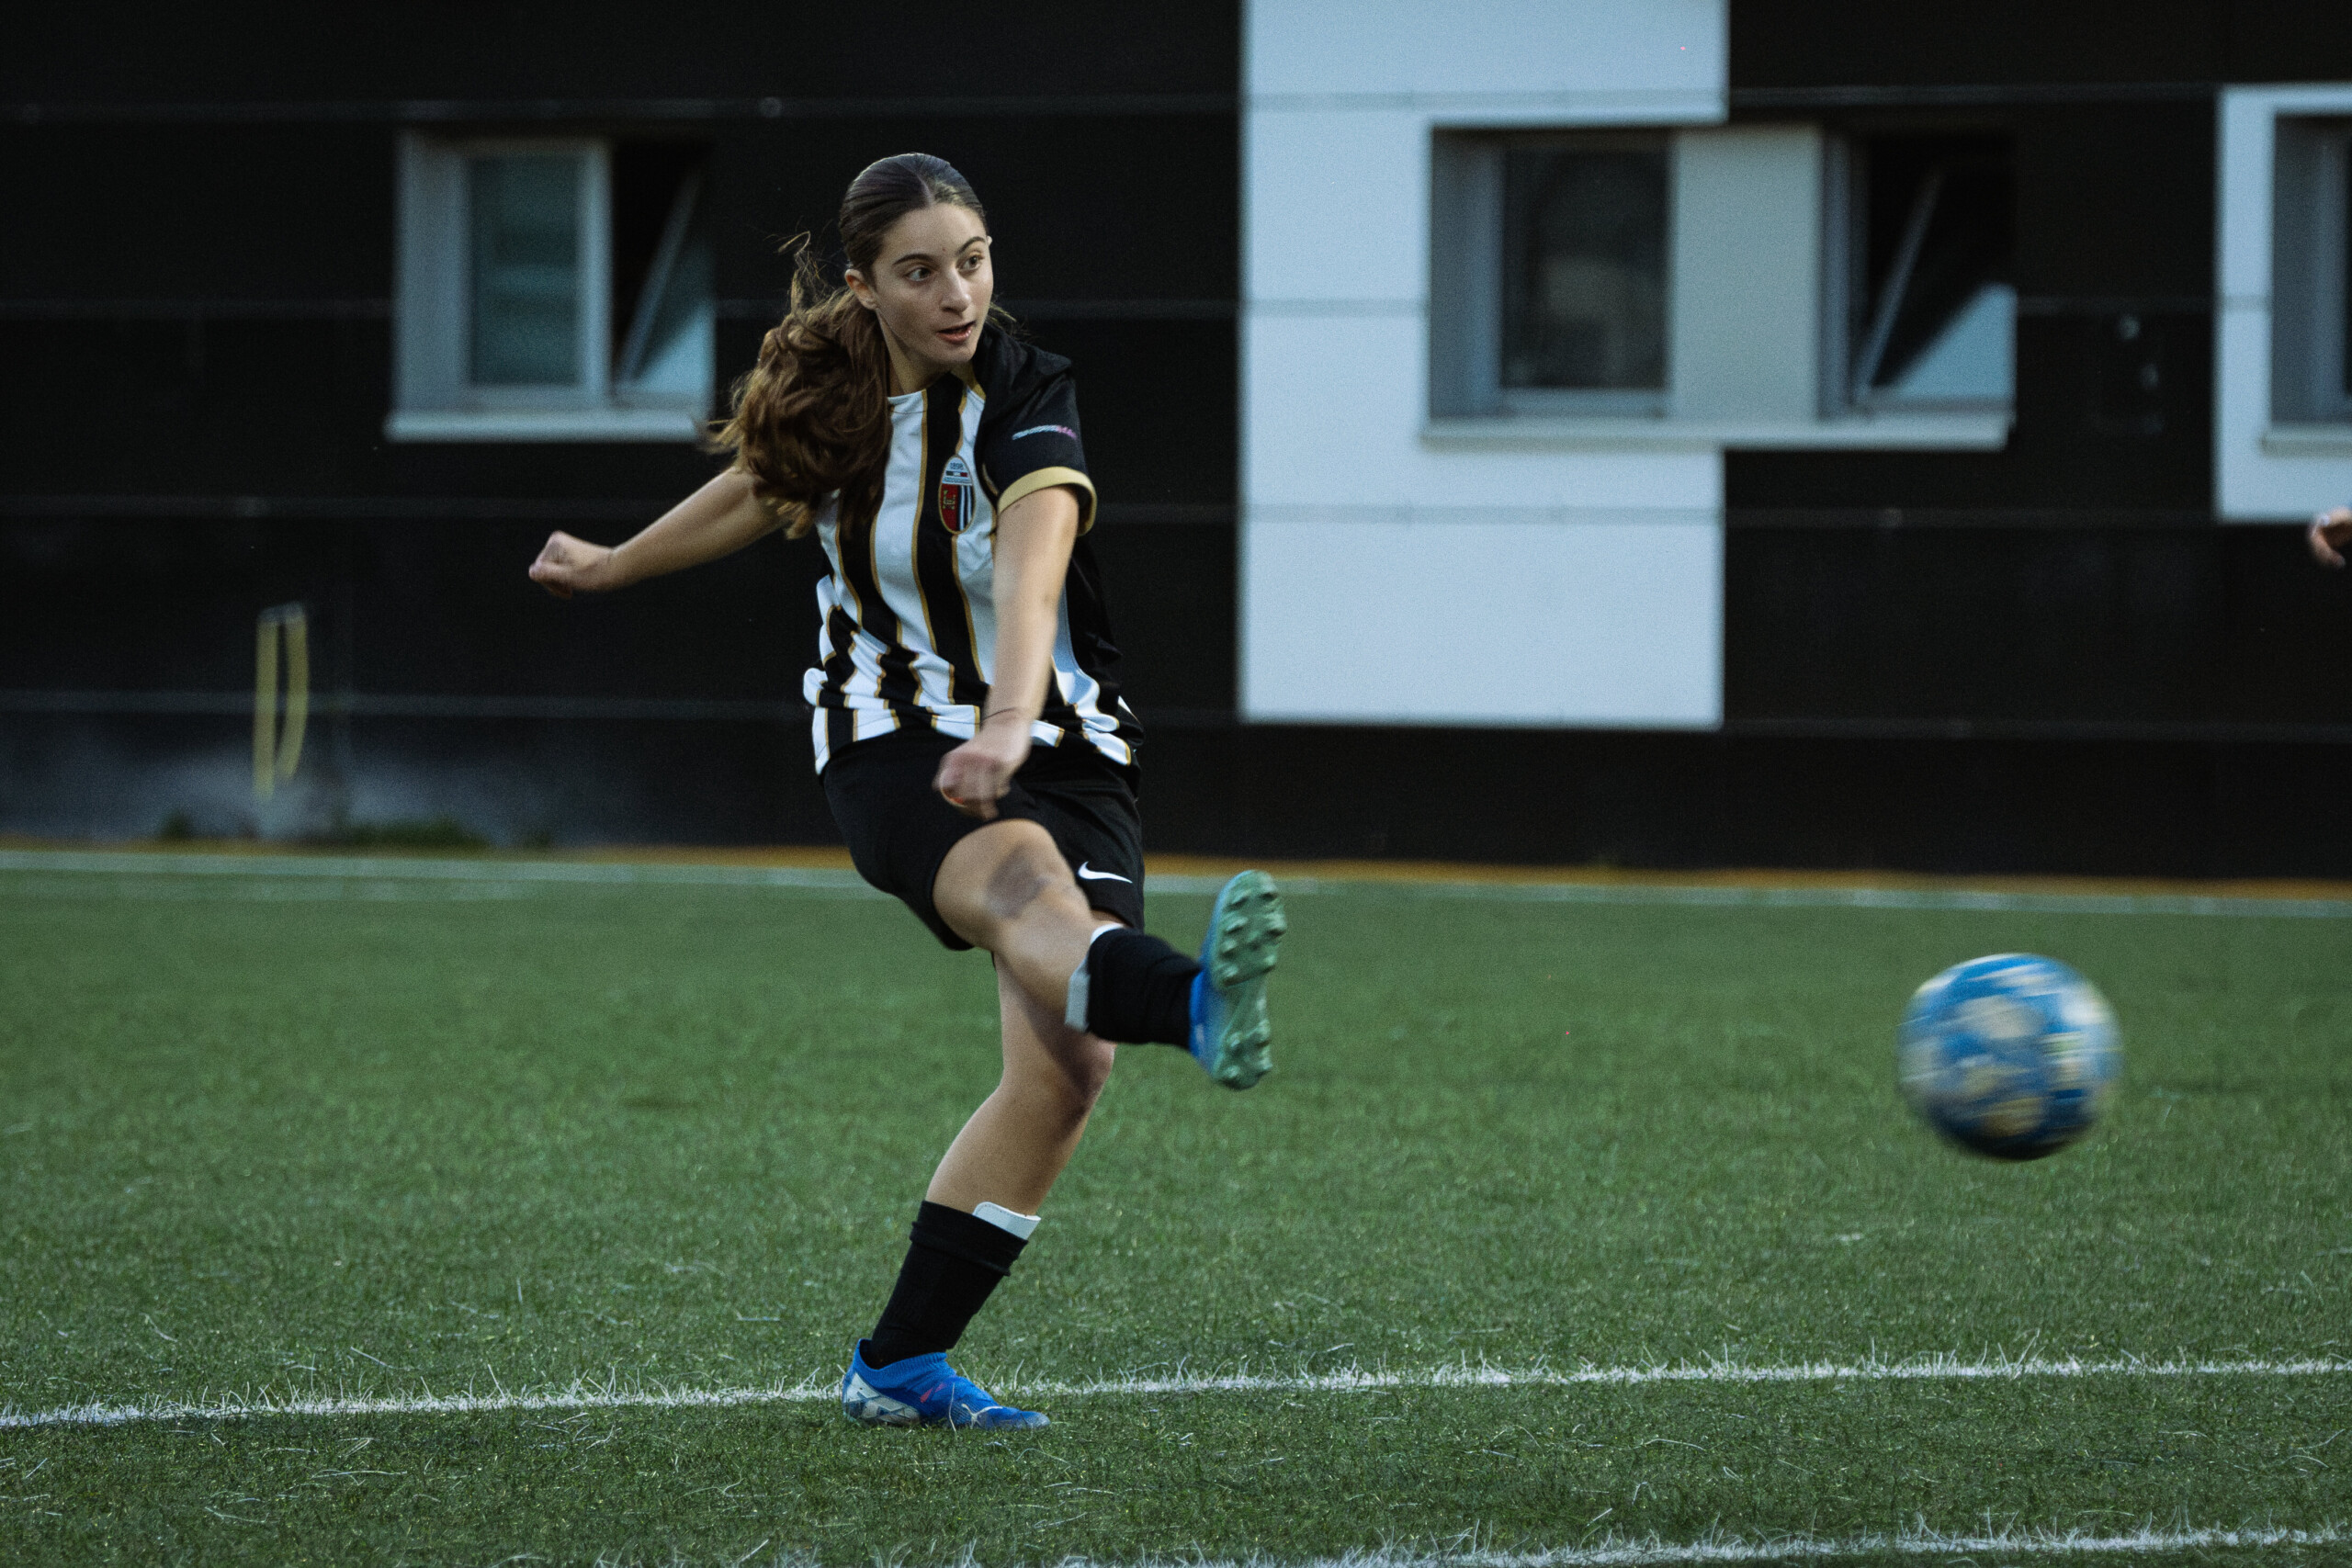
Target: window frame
[
  {"x": 434, "y": 398},
  {"x": 1466, "y": 242}
]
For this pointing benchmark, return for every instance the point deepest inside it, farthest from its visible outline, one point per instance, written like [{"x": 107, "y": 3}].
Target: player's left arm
[
  {"x": 1033, "y": 536},
  {"x": 2330, "y": 531}
]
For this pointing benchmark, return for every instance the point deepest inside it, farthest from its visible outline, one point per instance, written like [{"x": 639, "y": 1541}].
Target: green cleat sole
[{"x": 1244, "y": 940}]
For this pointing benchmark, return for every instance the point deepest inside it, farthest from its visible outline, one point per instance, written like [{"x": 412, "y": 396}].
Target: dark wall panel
[
  {"x": 1797, "y": 43},
  {"x": 418, "y": 606},
  {"x": 2115, "y": 200},
  {"x": 453, "y": 48},
  {"x": 2125, "y": 43},
  {"x": 2118, "y": 625},
  {"x": 1171, "y": 591},
  {"x": 197, "y": 212},
  {"x": 2288, "y": 40},
  {"x": 2108, "y": 808},
  {"x": 194, "y": 406},
  {"x": 1157, "y": 400},
  {"x": 238, "y": 406}
]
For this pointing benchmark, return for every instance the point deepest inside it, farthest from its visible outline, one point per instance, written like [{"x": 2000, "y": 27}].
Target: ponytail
[{"x": 812, "y": 420}]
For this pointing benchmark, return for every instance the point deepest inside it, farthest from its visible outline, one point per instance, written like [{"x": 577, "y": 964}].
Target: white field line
[
  {"x": 1620, "y": 1553},
  {"x": 369, "y": 876},
  {"x": 391, "y": 868},
  {"x": 590, "y": 1396}
]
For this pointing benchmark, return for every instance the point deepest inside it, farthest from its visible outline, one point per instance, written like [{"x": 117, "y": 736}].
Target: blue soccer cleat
[
  {"x": 1229, "y": 1027},
  {"x": 924, "y": 1391}
]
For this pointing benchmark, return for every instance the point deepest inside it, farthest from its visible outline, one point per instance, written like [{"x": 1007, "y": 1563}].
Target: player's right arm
[
  {"x": 717, "y": 520},
  {"x": 2330, "y": 531}
]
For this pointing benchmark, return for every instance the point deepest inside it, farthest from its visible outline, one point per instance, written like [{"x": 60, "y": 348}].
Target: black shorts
[{"x": 898, "y": 829}]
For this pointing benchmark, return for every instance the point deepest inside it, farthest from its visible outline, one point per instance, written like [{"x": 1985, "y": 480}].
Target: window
[
  {"x": 1923, "y": 313},
  {"x": 1754, "y": 285},
  {"x": 2311, "y": 330},
  {"x": 2282, "y": 367},
  {"x": 1550, "y": 273},
  {"x": 1584, "y": 276},
  {"x": 552, "y": 289}
]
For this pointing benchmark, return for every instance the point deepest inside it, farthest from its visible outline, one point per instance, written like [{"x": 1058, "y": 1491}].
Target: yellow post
[
  {"x": 298, "y": 690},
  {"x": 277, "y": 753},
  {"x": 265, "y": 707}
]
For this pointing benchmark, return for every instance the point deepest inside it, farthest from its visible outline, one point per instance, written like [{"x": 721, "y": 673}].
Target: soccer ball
[{"x": 2012, "y": 1055}]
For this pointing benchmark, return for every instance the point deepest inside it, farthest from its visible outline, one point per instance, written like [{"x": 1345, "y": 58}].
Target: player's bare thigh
[{"x": 1006, "y": 876}]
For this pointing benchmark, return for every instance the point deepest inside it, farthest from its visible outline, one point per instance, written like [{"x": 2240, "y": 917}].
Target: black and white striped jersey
[{"x": 909, "y": 638}]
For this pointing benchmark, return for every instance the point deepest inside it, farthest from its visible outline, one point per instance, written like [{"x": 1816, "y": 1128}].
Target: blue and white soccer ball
[{"x": 2013, "y": 1056}]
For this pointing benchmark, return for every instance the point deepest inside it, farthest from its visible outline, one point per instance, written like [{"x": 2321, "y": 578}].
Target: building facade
[{"x": 1674, "y": 433}]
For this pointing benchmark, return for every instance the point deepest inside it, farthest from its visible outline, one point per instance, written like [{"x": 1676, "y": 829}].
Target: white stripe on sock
[
  {"x": 1005, "y": 1219},
  {"x": 1080, "y": 986}
]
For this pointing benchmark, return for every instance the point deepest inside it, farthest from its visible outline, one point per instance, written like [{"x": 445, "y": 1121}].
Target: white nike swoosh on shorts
[{"x": 1091, "y": 875}]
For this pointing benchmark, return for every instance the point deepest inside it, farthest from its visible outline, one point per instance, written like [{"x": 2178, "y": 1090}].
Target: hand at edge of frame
[
  {"x": 567, "y": 565},
  {"x": 2329, "y": 533}
]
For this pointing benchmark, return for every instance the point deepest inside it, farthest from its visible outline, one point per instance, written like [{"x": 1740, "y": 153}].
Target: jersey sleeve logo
[{"x": 959, "y": 496}]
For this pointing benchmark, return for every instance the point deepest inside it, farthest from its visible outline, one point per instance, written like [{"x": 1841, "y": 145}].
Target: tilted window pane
[
  {"x": 523, "y": 211},
  {"x": 1972, "y": 359},
  {"x": 1584, "y": 268},
  {"x": 1940, "y": 313},
  {"x": 675, "y": 357},
  {"x": 667, "y": 350}
]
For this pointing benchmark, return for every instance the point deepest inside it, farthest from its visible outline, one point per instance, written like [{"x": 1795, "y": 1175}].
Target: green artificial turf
[{"x": 272, "y": 1137}]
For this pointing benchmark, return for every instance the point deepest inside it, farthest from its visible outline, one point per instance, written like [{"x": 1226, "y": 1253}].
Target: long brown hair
[{"x": 813, "y": 416}]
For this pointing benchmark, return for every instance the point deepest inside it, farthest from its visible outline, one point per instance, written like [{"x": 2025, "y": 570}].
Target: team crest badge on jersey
[{"x": 959, "y": 497}]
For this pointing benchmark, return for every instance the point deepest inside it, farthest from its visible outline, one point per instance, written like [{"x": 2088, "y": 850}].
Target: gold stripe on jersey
[{"x": 1031, "y": 483}]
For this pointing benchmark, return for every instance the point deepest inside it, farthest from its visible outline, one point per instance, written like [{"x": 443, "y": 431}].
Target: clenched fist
[{"x": 567, "y": 566}]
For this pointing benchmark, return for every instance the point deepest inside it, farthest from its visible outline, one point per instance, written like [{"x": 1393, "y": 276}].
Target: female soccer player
[{"x": 968, "y": 727}]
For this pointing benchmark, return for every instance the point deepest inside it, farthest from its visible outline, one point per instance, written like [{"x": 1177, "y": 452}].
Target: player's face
[{"x": 931, "y": 286}]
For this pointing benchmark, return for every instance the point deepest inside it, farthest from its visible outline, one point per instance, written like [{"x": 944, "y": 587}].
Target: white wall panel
[
  {"x": 1611, "y": 621},
  {"x": 1336, "y": 206},
  {"x": 1486, "y": 46},
  {"x": 1337, "y": 405},
  {"x": 1385, "y": 576}
]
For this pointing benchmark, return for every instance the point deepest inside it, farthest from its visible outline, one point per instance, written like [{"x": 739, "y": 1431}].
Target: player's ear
[{"x": 859, "y": 287}]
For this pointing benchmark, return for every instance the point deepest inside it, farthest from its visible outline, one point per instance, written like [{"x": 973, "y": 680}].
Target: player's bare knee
[
  {"x": 1067, "y": 1077},
  {"x": 1086, "y": 1067}
]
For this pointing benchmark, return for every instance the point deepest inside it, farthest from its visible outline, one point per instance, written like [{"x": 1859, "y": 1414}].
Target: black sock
[
  {"x": 954, "y": 1260},
  {"x": 1139, "y": 990}
]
